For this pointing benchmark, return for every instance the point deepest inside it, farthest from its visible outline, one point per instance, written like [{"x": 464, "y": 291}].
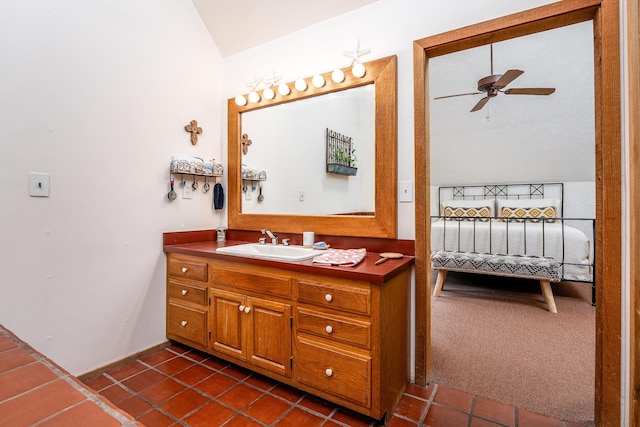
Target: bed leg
[
  {"x": 442, "y": 274},
  {"x": 548, "y": 295}
]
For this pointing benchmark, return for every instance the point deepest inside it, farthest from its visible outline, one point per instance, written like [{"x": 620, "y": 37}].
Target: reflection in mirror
[
  {"x": 288, "y": 143},
  {"x": 284, "y": 162}
]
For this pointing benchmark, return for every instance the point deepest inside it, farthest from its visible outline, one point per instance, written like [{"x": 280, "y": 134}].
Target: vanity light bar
[{"x": 317, "y": 82}]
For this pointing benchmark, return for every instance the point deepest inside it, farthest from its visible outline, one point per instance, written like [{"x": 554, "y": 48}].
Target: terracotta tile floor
[
  {"x": 178, "y": 386},
  {"x": 36, "y": 391}
]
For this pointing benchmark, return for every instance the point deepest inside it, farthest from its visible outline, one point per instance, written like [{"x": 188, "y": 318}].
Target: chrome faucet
[{"x": 273, "y": 237}]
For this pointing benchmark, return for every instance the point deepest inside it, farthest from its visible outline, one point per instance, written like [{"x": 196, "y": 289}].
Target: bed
[{"x": 514, "y": 230}]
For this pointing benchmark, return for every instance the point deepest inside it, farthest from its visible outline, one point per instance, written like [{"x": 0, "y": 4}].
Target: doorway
[{"x": 605, "y": 17}]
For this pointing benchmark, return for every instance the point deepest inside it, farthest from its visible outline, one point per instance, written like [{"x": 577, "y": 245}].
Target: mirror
[
  {"x": 274, "y": 140},
  {"x": 377, "y": 164}
]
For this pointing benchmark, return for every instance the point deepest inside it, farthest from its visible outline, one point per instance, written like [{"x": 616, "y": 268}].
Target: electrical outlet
[{"x": 301, "y": 196}]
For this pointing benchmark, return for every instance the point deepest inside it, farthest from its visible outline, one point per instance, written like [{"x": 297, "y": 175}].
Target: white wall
[{"x": 97, "y": 94}]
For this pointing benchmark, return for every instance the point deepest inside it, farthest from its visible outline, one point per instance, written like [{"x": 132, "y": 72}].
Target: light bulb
[
  {"x": 358, "y": 70},
  {"x": 301, "y": 85},
  {"x": 337, "y": 76},
  {"x": 283, "y": 89},
  {"x": 268, "y": 93},
  {"x": 254, "y": 97},
  {"x": 318, "y": 81},
  {"x": 241, "y": 101}
]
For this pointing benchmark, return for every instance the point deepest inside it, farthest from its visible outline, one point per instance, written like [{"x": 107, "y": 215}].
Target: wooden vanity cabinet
[
  {"x": 343, "y": 340},
  {"x": 252, "y": 330},
  {"x": 351, "y": 341},
  {"x": 187, "y": 300}
]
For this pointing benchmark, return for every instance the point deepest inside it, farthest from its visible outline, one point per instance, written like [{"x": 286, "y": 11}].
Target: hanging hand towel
[
  {"x": 343, "y": 257},
  {"x": 218, "y": 196}
]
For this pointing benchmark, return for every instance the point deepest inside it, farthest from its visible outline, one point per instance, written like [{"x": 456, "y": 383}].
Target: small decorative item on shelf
[
  {"x": 196, "y": 165},
  {"x": 180, "y": 163},
  {"x": 341, "y": 156},
  {"x": 208, "y": 167}
]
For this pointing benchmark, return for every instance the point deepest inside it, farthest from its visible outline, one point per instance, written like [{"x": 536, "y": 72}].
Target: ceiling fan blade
[
  {"x": 507, "y": 78},
  {"x": 460, "y": 94},
  {"x": 480, "y": 104},
  {"x": 530, "y": 91}
]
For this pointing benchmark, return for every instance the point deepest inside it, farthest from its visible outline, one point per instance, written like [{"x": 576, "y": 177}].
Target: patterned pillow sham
[
  {"x": 459, "y": 213},
  {"x": 531, "y": 214}
]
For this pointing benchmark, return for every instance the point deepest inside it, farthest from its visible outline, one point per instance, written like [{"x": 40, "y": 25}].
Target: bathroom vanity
[{"x": 340, "y": 333}]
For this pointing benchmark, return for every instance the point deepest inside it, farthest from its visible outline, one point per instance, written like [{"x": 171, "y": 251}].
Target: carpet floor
[{"x": 493, "y": 336}]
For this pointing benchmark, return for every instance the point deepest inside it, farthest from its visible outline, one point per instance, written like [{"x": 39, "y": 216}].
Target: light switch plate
[
  {"x": 405, "y": 191},
  {"x": 187, "y": 192},
  {"x": 38, "y": 184}
]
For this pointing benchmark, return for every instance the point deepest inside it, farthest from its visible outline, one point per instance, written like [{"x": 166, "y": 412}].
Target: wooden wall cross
[
  {"x": 246, "y": 142},
  {"x": 195, "y": 130}
]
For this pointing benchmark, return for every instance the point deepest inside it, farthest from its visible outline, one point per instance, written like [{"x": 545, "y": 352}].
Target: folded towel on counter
[{"x": 344, "y": 257}]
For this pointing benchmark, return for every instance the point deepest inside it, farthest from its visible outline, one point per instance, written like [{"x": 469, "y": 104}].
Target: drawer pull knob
[
  {"x": 247, "y": 310},
  {"x": 185, "y": 269},
  {"x": 328, "y": 328},
  {"x": 328, "y": 297},
  {"x": 329, "y": 372},
  {"x": 183, "y": 323},
  {"x": 184, "y": 292},
  {"x": 241, "y": 308}
]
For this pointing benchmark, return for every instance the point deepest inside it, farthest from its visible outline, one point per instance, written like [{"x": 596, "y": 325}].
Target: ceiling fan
[{"x": 495, "y": 83}]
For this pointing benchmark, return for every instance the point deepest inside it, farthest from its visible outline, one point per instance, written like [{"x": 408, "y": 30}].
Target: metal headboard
[{"x": 553, "y": 190}]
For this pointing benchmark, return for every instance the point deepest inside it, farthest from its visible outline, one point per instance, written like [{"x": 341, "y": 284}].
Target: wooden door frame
[
  {"x": 633, "y": 40},
  {"x": 606, "y": 29}
]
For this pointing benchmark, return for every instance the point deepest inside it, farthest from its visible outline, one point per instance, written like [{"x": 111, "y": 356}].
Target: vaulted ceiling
[{"x": 241, "y": 24}]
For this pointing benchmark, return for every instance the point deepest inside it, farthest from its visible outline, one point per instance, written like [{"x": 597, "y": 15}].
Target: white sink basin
[{"x": 268, "y": 251}]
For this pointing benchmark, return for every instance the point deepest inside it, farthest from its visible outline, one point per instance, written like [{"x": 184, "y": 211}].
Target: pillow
[
  {"x": 533, "y": 214},
  {"x": 465, "y": 210},
  {"x": 529, "y": 203}
]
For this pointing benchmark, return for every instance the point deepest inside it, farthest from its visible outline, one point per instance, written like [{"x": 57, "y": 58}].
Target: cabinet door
[
  {"x": 269, "y": 326},
  {"x": 227, "y": 330}
]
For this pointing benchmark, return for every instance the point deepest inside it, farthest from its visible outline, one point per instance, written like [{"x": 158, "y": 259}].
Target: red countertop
[{"x": 203, "y": 244}]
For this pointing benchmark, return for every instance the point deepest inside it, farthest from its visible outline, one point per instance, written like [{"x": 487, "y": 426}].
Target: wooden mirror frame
[{"x": 381, "y": 72}]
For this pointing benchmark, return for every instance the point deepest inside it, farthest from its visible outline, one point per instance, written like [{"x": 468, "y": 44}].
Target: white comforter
[{"x": 565, "y": 244}]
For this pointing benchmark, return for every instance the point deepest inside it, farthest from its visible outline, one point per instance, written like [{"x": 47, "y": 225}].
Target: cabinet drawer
[
  {"x": 346, "y": 375},
  {"x": 187, "y": 323},
  {"x": 334, "y": 328},
  {"x": 188, "y": 268},
  {"x": 351, "y": 299},
  {"x": 265, "y": 283},
  {"x": 184, "y": 292}
]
